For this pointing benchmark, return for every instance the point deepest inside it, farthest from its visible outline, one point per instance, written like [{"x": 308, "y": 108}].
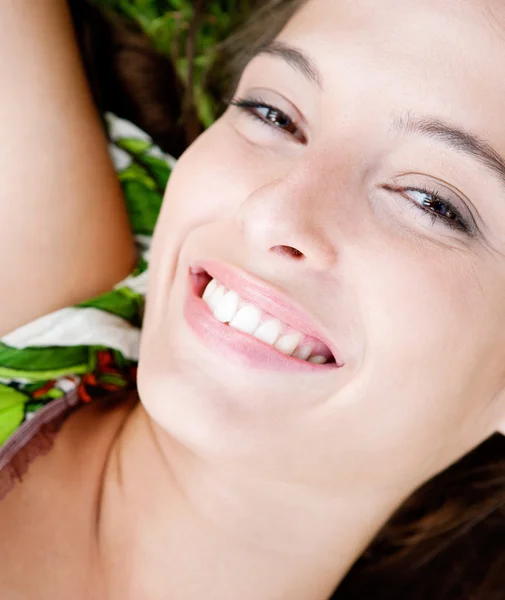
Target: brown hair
[
  {"x": 128, "y": 77},
  {"x": 447, "y": 540},
  {"x": 234, "y": 53}
]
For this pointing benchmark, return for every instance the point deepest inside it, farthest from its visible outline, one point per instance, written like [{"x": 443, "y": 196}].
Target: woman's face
[{"x": 355, "y": 202}]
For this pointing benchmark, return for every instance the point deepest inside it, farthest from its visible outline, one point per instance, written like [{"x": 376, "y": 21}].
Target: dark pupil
[
  {"x": 277, "y": 118},
  {"x": 440, "y": 208}
]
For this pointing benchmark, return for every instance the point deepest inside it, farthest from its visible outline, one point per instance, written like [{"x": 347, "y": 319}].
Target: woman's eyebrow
[
  {"x": 295, "y": 58},
  {"x": 456, "y": 138}
]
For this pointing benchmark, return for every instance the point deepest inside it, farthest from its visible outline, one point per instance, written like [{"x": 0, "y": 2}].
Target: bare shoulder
[
  {"x": 48, "y": 521},
  {"x": 77, "y": 241}
]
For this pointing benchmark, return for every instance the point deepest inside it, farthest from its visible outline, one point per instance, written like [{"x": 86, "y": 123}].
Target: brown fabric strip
[{"x": 34, "y": 438}]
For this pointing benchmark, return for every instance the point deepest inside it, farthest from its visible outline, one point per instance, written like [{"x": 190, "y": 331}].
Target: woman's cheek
[
  {"x": 416, "y": 299},
  {"x": 211, "y": 178}
]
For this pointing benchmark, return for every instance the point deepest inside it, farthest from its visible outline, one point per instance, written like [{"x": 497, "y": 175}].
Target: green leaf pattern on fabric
[
  {"x": 143, "y": 205},
  {"x": 11, "y": 411},
  {"x": 121, "y": 302},
  {"x": 39, "y": 364}
]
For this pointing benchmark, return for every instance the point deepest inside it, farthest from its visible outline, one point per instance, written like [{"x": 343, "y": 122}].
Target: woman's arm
[{"x": 64, "y": 232}]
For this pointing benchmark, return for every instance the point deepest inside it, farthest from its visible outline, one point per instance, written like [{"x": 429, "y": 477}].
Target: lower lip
[{"x": 239, "y": 346}]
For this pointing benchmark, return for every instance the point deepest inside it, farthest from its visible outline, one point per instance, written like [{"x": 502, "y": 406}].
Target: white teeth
[
  {"x": 215, "y": 298},
  {"x": 318, "y": 360},
  {"x": 287, "y": 343},
  {"x": 247, "y": 319},
  {"x": 303, "y": 352},
  {"x": 269, "y": 331},
  {"x": 210, "y": 289},
  {"x": 227, "y": 307}
]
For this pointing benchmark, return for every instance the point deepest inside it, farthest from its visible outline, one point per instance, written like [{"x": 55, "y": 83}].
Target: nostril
[{"x": 289, "y": 251}]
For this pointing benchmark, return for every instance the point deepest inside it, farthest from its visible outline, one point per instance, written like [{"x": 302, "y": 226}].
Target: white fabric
[
  {"x": 119, "y": 128},
  {"x": 75, "y": 327},
  {"x": 120, "y": 158},
  {"x": 137, "y": 284}
]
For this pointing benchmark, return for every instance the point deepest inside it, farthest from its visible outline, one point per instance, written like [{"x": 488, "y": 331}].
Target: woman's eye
[
  {"x": 438, "y": 208},
  {"x": 271, "y": 116}
]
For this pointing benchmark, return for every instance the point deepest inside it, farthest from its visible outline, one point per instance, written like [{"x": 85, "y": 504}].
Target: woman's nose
[{"x": 286, "y": 217}]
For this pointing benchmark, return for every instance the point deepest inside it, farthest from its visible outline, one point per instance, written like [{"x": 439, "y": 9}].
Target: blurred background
[
  {"x": 190, "y": 81},
  {"x": 189, "y": 32}
]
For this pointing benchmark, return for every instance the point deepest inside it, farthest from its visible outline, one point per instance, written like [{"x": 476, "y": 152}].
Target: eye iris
[
  {"x": 439, "y": 207},
  {"x": 278, "y": 118},
  {"x": 272, "y": 116}
]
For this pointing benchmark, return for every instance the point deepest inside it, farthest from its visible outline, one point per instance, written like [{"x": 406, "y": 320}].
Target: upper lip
[{"x": 265, "y": 297}]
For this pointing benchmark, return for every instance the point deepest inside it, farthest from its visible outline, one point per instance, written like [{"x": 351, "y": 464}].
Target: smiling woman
[{"x": 321, "y": 374}]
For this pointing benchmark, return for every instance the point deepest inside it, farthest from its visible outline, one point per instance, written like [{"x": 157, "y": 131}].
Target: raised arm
[{"x": 64, "y": 233}]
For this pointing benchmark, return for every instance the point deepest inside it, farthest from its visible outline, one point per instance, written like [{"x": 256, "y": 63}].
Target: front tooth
[
  {"x": 287, "y": 344},
  {"x": 247, "y": 319},
  {"x": 227, "y": 307},
  {"x": 214, "y": 299},
  {"x": 269, "y": 331},
  {"x": 318, "y": 360},
  {"x": 210, "y": 289},
  {"x": 303, "y": 352}
]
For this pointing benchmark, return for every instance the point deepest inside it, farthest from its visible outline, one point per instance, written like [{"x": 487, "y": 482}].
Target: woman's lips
[{"x": 228, "y": 340}]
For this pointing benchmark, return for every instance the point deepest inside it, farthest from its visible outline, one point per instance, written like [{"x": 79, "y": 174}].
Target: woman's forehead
[
  {"x": 468, "y": 20},
  {"x": 446, "y": 57}
]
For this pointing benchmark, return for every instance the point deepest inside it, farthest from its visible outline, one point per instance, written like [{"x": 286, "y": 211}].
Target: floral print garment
[{"x": 92, "y": 348}]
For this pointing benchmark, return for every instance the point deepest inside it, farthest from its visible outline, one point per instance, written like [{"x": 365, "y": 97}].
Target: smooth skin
[
  {"x": 64, "y": 231},
  {"x": 231, "y": 482}
]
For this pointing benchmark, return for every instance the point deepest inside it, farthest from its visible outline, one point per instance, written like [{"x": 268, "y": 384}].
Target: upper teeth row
[{"x": 228, "y": 307}]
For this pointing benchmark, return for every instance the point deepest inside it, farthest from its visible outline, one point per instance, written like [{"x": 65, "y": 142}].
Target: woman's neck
[{"x": 173, "y": 525}]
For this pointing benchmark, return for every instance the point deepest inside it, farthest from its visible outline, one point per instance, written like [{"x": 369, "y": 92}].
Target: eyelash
[
  {"x": 251, "y": 105},
  {"x": 456, "y": 221}
]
